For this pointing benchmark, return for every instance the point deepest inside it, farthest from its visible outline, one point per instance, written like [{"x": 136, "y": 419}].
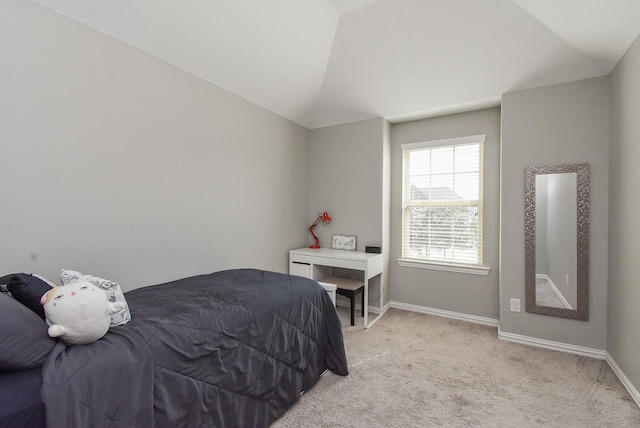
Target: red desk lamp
[{"x": 324, "y": 217}]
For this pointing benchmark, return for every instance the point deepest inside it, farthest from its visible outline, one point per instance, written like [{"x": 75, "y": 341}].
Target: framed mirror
[{"x": 557, "y": 240}]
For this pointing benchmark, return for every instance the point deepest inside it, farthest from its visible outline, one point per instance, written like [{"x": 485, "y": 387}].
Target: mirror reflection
[{"x": 557, "y": 240}]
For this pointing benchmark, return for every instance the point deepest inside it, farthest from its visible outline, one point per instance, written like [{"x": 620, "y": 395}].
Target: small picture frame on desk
[{"x": 343, "y": 242}]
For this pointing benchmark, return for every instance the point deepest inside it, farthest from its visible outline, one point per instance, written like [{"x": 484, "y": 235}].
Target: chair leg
[
  {"x": 353, "y": 309},
  {"x": 362, "y": 293}
]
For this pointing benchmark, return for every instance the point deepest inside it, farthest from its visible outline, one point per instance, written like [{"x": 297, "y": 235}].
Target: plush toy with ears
[{"x": 78, "y": 313}]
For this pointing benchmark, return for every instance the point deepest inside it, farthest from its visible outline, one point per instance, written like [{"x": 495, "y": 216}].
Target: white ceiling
[{"x": 325, "y": 62}]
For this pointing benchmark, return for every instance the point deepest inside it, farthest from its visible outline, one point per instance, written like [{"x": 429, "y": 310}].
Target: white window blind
[{"x": 442, "y": 201}]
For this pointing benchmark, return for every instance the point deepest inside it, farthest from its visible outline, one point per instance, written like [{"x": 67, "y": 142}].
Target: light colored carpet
[
  {"x": 416, "y": 370},
  {"x": 545, "y": 296}
]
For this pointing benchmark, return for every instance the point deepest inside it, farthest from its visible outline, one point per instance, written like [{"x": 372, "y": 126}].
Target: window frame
[{"x": 445, "y": 265}]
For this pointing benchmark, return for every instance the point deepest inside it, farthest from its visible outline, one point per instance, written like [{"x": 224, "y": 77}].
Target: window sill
[{"x": 420, "y": 264}]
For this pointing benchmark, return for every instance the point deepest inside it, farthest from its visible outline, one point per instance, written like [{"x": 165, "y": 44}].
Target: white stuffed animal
[{"x": 78, "y": 313}]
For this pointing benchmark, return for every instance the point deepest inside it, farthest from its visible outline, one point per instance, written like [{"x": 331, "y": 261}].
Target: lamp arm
[
  {"x": 317, "y": 245},
  {"x": 315, "y": 223}
]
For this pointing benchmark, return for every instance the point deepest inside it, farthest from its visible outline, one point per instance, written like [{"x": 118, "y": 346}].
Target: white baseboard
[
  {"x": 344, "y": 303},
  {"x": 446, "y": 314},
  {"x": 358, "y": 307},
  {"x": 554, "y": 346},
  {"x": 386, "y": 307},
  {"x": 624, "y": 379}
]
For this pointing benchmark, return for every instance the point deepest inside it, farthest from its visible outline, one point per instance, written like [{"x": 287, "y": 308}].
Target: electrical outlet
[
  {"x": 567, "y": 279},
  {"x": 515, "y": 305}
]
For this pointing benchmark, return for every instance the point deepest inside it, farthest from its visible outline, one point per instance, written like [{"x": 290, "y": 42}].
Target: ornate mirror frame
[{"x": 582, "y": 211}]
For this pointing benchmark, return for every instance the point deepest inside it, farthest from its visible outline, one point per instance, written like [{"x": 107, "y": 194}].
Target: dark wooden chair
[{"x": 350, "y": 288}]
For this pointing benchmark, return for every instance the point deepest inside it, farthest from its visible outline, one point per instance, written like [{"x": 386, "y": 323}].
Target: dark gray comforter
[{"x": 230, "y": 349}]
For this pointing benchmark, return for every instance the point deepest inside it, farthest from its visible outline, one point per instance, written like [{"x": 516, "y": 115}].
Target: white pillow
[{"x": 112, "y": 289}]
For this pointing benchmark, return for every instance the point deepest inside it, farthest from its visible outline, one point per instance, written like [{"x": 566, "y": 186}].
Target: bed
[{"x": 231, "y": 348}]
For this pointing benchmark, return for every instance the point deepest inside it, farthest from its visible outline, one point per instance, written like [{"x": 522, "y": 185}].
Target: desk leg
[{"x": 366, "y": 303}]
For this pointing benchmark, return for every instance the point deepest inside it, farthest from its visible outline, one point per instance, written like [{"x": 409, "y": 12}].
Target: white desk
[{"x": 308, "y": 262}]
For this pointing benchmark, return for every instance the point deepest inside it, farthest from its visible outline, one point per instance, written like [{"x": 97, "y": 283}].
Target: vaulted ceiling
[{"x": 325, "y": 62}]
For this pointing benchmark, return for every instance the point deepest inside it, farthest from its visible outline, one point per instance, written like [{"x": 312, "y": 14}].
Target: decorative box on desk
[{"x": 318, "y": 264}]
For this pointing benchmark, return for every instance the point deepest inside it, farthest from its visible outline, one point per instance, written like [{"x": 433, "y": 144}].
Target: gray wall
[
  {"x": 449, "y": 291},
  {"x": 623, "y": 340},
  {"x": 554, "y": 125},
  {"x": 348, "y": 178},
  {"x": 117, "y": 164}
]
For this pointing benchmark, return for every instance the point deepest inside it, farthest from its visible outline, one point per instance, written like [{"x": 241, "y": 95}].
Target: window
[{"x": 442, "y": 201}]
